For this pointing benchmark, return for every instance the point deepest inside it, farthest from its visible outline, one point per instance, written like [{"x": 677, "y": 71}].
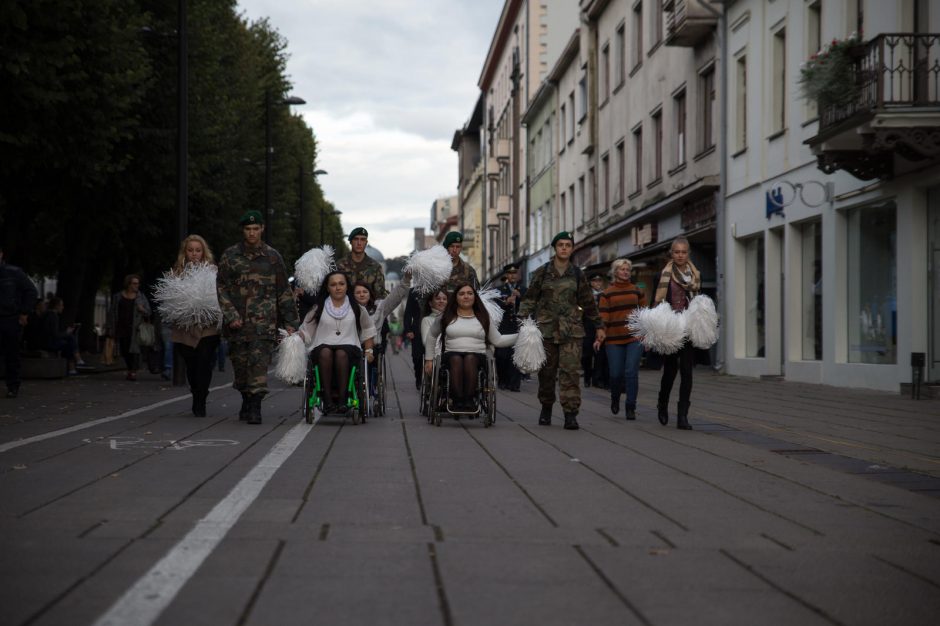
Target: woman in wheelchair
[
  {"x": 466, "y": 334},
  {"x": 433, "y": 306},
  {"x": 378, "y": 311},
  {"x": 337, "y": 326}
]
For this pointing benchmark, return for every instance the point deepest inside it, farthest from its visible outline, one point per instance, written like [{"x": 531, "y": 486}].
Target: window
[
  {"x": 778, "y": 79},
  {"x": 621, "y": 41},
  {"x": 571, "y": 207},
  {"x": 581, "y": 200},
  {"x": 740, "y": 104},
  {"x": 707, "y": 99},
  {"x": 605, "y": 73},
  {"x": 562, "y": 213},
  {"x": 605, "y": 183},
  {"x": 621, "y": 173},
  {"x": 656, "y": 22},
  {"x": 811, "y": 289},
  {"x": 583, "y": 95},
  {"x": 571, "y": 117},
  {"x": 872, "y": 285},
  {"x": 637, "y": 33},
  {"x": 813, "y": 43},
  {"x": 563, "y": 120},
  {"x": 657, "y": 145},
  {"x": 591, "y": 194},
  {"x": 754, "y": 295},
  {"x": 678, "y": 105},
  {"x": 638, "y": 158}
]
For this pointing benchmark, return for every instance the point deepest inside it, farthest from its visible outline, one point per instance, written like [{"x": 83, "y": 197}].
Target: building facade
[{"x": 833, "y": 209}]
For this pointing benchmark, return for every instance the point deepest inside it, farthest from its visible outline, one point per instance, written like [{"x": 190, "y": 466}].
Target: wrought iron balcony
[
  {"x": 891, "y": 122},
  {"x": 688, "y": 22}
]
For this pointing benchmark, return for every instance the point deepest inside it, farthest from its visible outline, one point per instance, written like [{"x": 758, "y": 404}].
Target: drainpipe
[{"x": 720, "y": 216}]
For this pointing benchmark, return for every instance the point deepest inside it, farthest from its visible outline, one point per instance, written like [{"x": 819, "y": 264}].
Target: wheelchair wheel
[
  {"x": 424, "y": 400},
  {"x": 361, "y": 410},
  {"x": 435, "y": 414},
  {"x": 308, "y": 408},
  {"x": 489, "y": 396},
  {"x": 379, "y": 404}
]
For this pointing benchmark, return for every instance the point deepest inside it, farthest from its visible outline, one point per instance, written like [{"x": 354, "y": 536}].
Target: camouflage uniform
[
  {"x": 252, "y": 287},
  {"x": 368, "y": 271},
  {"x": 560, "y": 304},
  {"x": 462, "y": 273}
]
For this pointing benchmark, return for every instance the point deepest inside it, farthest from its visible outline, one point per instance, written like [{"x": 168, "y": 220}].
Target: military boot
[
  {"x": 243, "y": 412},
  {"x": 571, "y": 420},
  {"x": 254, "y": 409},
  {"x": 545, "y": 417},
  {"x": 682, "y": 416}
]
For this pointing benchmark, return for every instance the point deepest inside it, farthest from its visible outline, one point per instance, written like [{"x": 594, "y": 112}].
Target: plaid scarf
[{"x": 671, "y": 273}]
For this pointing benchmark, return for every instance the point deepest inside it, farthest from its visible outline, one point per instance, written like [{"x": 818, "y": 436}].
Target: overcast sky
[{"x": 387, "y": 82}]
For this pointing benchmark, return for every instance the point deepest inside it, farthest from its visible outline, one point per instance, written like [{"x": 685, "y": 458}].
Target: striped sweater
[{"x": 616, "y": 304}]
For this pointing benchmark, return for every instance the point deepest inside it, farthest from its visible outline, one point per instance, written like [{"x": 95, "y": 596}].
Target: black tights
[
  {"x": 326, "y": 360},
  {"x": 463, "y": 375}
]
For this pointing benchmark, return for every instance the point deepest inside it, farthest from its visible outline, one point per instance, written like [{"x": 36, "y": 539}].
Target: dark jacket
[{"x": 17, "y": 293}]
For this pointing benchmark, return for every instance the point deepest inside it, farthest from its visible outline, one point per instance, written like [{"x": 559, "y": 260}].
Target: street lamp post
[
  {"x": 268, "y": 154},
  {"x": 322, "y": 231},
  {"x": 303, "y": 232}
]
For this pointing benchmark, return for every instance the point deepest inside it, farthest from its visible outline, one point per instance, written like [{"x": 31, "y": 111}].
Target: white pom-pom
[
  {"x": 429, "y": 269},
  {"x": 312, "y": 268},
  {"x": 661, "y": 328},
  {"x": 189, "y": 300},
  {"x": 290, "y": 360},
  {"x": 529, "y": 354},
  {"x": 490, "y": 298},
  {"x": 701, "y": 322}
]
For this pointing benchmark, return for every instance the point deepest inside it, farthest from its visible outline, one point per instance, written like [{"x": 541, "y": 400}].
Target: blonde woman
[
  {"x": 624, "y": 350},
  {"x": 198, "y": 344}
]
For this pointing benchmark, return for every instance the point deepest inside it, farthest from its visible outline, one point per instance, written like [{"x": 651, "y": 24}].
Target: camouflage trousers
[
  {"x": 250, "y": 361},
  {"x": 563, "y": 363}
]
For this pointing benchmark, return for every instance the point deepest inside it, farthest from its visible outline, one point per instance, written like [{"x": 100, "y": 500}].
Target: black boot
[
  {"x": 614, "y": 397},
  {"x": 254, "y": 409},
  {"x": 545, "y": 417},
  {"x": 629, "y": 411},
  {"x": 682, "y": 417},
  {"x": 571, "y": 420},
  {"x": 199, "y": 403},
  {"x": 243, "y": 412},
  {"x": 662, "y": 408}
]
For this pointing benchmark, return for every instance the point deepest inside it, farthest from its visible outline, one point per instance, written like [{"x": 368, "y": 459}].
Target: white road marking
[
  {"x": 104, "y": 420},
  {"x": 143, "y": 603}
]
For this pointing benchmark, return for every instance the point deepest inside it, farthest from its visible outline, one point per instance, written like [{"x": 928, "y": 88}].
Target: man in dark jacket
[
  {"x": 412, "y": 330},
  {"x": 256, "y": 300},
  {"x": 17, "y": 298},
  {"x": 511, "y": 293}
]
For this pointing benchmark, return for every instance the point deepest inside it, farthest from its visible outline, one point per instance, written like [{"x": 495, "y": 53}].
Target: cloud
[{"x": 387, "y": 84}]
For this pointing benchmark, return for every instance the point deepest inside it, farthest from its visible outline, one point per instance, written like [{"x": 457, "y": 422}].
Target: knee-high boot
[
  {"x": 616, "y": 388},
  {"x": 682, "y": 416}
]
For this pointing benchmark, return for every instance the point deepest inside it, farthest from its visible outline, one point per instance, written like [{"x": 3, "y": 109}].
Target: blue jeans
[{"x": 623, "y": 360}]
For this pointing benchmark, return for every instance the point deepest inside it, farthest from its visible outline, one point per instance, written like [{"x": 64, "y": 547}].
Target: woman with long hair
[
  {"x": 624, "y": 349},
  {"x": 379, "y": 311},
  {"x": 340, "y": 328},
  {"x": 466, "y": 332},
  {"x": 129, "y": 307},
  {"x": 196, "y": 344},
  {"x": 434, "y": 305}
]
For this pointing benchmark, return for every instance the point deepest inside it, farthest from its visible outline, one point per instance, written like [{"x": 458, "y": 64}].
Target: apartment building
[
  {"x": 470, "y": 187},
  {"x": 833, "y": 209}
]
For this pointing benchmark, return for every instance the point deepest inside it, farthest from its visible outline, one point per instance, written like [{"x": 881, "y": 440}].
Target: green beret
[
  {"x": 251, "y": 217},
  {"x": 356, "y": 232},
  {"x": 562, "y": 235},
  {"x": 453, "y": 237}
]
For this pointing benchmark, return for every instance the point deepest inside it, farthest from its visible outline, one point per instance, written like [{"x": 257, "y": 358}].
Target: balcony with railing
[
  {"x": 688, "y": 22},
  {"x": 888, "y": 121}
]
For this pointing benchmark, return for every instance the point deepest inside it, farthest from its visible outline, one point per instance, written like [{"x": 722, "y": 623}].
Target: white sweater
[
  {"x": 426, "y": 338},
  {"x": 465, "y": 334},
  {"x": 324, "y": 333}
]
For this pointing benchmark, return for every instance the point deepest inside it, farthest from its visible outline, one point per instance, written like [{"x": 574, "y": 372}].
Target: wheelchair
[
  {"x": 357, "y": 395},
  {"x": 438, "y": 399},
  {"x": 377, "y": 374}
]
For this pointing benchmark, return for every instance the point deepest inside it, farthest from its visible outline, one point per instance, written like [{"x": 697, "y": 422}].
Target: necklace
[
  {"x": 338, "y": 322},
  {"x": 466, "y": 317}
]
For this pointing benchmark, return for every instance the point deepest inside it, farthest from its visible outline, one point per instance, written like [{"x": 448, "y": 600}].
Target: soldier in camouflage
[
  {"x": 256, "y": 299},
  {"x": 358, "y": 266},
  {"x": 463, "y": 273},
  {"x": 560, "y": 299}
]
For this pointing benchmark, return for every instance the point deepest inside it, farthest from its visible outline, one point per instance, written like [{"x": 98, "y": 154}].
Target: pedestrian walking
[
  {"x": 256, "y": 299},
  {"x": 560, "y": 298},
  {"x": 624, "y": 350},
  {"x": 197, "y": 344},
  {"x": 360, "y": 267},
  {"x": 412, "y": 327},
  {"x": 594, "y": 360},
  {"x": 679, "y": 282},
  {"x": 18, "y": 298},
  {"x": 511, "y": 293},
  {"x": 463, "y": 272},
  {"x": 128, "y": 311}
]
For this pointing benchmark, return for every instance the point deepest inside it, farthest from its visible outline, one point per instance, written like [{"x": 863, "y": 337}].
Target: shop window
[
  {"x": 812, "y": 289},
  {"x": 872, "y": 285},
  {"x": 754, "y": 294}
]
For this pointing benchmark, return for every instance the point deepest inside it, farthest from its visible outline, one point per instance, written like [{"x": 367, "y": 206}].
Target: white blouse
[
  {"x": 426, "y": 335},
  {"x": 337, "y": 332},
  {"x": 465, "y": 334}
]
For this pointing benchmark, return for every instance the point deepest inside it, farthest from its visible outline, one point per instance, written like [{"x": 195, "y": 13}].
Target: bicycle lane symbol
[{"x": 139, "y": 443}]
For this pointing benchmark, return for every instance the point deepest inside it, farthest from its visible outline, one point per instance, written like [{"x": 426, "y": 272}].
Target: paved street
[{"x": 788, "y": 504}]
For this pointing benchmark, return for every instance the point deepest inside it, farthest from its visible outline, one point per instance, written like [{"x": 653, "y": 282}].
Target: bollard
[{"x": 918, "y": 359}]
